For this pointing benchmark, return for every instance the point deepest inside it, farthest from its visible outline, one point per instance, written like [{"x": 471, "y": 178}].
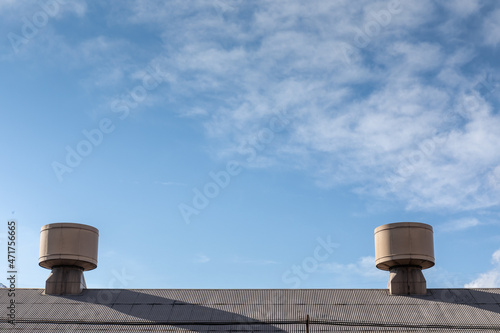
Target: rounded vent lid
[
  {"x": 404, "y": 244},
  {"x": 68, "y": 244}
]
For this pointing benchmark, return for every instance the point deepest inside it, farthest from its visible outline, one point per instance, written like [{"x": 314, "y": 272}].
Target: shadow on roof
[
  {"x": 136, "y": 306},
  {"x": 478, "y": 298}
]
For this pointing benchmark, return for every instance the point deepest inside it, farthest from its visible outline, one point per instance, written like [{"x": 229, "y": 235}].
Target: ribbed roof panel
[{"x": 253, "y": 310}]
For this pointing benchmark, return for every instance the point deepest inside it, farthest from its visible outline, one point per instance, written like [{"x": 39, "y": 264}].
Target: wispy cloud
[
  {"x": 6, "y": 4},
  {"x": 462, "y": 8},
  {"x": 248, "y": 261},
  {"x": 439, "y": 277},
  {"x": 490, "y": 279},
  {"x": 202, "y": 258},
  {"x": 491, "y": 28},
  {"x": 460, "y": 224},
  {"x": 171, "y": 183},
  {"x": 397, "y": 109},
  {"x": 363, "y": 268},
  {"x": 394, "y": 118}
]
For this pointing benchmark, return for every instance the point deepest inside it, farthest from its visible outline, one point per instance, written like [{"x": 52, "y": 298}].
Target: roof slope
[{"x": 253, "y": 310}]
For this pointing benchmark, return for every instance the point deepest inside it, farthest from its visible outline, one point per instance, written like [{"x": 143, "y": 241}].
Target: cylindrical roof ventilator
[
  {"x": 67, "y": 249},
  {"x": 404, "y": 249}
]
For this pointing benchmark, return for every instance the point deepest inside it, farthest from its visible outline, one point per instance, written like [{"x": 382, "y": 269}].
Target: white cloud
[
  {"x": 364, "y": 267},
  {"x": 171, "y": 183},
  {"x": 393, "y": 120},
  {"x": 490, "y": 279},
  {"x": 345, "y": 134},
  {"x": 462, "y": 8},
  {"x": 202, "y": 258},
  {"x": 491, "y": 28},
  {"x": 247, "y": 261},
  {"x": 7, "y": 4},
  {"x": 19, "y": 12},
  {"x": 417, "y": 57},
  {"x": 438, "y": 277},
  {"x": 461, "y": 224},
  {"x": 194, "y": 112},
  {"x": 390, "y": 119},
  {"x": 78, "y": 7},
  {"x": 495, "y": 258}
]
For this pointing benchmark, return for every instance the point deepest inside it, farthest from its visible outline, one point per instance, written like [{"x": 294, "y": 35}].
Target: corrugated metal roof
[{"x": 254, "y": 310}]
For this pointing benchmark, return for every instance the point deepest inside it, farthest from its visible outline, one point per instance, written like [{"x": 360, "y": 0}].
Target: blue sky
[{"x": 238, "y": 144}]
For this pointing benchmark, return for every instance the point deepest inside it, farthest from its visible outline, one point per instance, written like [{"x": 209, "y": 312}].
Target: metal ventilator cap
[
  {"x": 67, "y": 249},
  {"x": 404, "y": 249}
]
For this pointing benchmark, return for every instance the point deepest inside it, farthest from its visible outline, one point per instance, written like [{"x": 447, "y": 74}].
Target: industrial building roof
[{"x": 252, "y": 310}]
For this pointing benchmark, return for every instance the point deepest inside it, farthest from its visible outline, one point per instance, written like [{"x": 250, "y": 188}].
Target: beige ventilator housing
[
  {"x": 68, "y": 249},
  {"x": 404, "y": 249}
]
